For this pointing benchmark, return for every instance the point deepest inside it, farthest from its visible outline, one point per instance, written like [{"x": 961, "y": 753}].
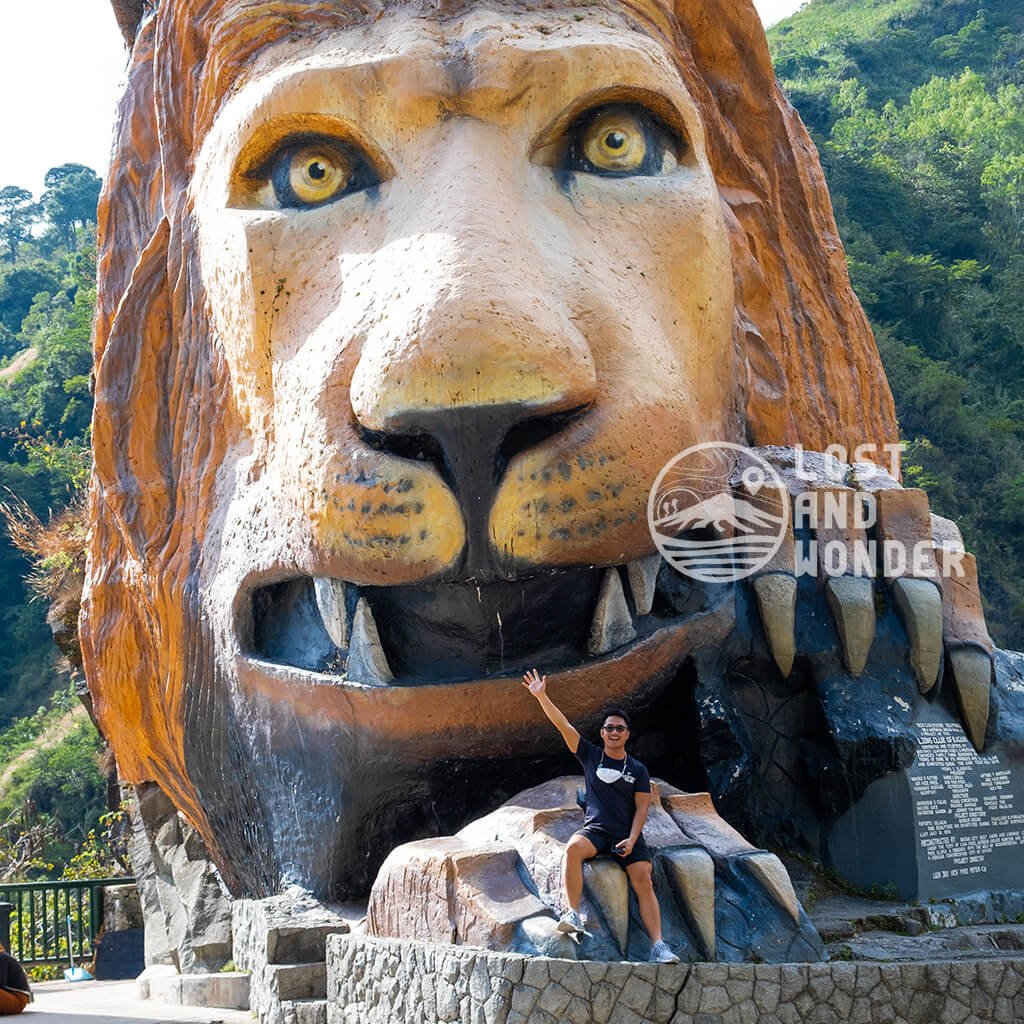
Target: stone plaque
[
  {"x": 968, "y": 811},
  {"x": 952, "y": 823}
]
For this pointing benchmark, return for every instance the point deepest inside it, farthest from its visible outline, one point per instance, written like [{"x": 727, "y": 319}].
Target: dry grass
[{"x": 56, "y": 548}]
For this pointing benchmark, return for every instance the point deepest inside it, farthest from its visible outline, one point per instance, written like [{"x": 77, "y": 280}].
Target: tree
[
  {"x": 17, "y": 214},
  {"x": 72, "y": 192},
  {"x": 20, "y": 286},
  {"x": 1002, "y": 184}
]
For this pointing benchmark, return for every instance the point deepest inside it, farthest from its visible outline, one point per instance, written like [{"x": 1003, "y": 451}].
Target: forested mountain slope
[
  {"x": 917, "y": 107},
  {"x": 52, "y": 791},
  {"x": 47, "y": 297}
]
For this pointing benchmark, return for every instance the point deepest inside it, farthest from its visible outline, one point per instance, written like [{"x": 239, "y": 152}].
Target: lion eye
[
  {"x": 312, "y": 172},
  {"x": 621, "y": 140}
]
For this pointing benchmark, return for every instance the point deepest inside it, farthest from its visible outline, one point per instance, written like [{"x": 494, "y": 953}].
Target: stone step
[
  {"x": 285, "y": 929},
  {"x": 227, "y": 990},
  {"x": 304, "y": 1011},
  {"x": 297, "y": 981},
  {"x": 304, "y": 945}
]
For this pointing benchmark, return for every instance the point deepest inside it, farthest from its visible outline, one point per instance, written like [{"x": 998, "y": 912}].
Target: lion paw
[
  {"x": 496, "y": 882},
  {"x": 891, "y": 552}
]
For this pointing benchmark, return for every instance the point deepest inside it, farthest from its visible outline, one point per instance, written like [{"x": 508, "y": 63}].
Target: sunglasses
[{"x": 615, "y": 728}]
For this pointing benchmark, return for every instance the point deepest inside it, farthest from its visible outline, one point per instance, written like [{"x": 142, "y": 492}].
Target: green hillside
[
  {"x": 47, "y": 297},
  {"x": 52, "y": 791},
  {"x": 917, "y": 107}
]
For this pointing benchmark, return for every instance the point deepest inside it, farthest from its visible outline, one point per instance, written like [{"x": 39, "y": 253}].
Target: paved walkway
[{"x": 115, "y": 1002}]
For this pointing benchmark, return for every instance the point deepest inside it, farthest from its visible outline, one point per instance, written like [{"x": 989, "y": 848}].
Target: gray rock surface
[
  {"x": 842, "y": 916},
  {"x": 281, "y": 942},
  {"x": 185, "y": 903}
]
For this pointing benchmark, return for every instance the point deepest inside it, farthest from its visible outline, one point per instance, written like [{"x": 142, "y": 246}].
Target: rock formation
[
  {"x": 497, "y": 883},
  {"x": 401, "y": 311}
]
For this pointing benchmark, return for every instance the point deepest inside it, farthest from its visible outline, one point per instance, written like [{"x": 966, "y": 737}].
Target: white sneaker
[
  {"x": 570, "y": 923},
  {"x": 661, "y": 954}
]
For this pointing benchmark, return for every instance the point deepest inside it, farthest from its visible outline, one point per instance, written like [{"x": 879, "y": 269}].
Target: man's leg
[
  {"x": 643, "y": 885},
  {"x": 577, "y": 850}
]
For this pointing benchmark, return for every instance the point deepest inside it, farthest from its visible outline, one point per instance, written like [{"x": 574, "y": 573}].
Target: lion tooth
[
  {"x": 612, "y": 625},
  {"x": 692, "y": 871},
  {"x": 852, "y": 600},
  {"x": 972, "y": 679},
  {"x": 367, "y": 662},
  {"x": 642, "y": 574},
  {"x": 608, "y": 891},
  {"x": 772, "y": 875},
  {"x": 776, "y": 600},
  {"x": 919, "y": 604},
  {"x": 330, "y": 599}
]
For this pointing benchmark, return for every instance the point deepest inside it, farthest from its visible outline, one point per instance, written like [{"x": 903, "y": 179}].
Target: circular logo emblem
[{"x": 718, "y": 512}]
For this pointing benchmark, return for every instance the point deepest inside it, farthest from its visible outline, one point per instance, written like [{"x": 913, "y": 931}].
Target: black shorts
[{"x": 603, "y": 843}]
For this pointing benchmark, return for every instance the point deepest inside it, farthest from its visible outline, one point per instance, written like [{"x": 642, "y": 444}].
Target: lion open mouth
[{"x": 452, "y": 632}]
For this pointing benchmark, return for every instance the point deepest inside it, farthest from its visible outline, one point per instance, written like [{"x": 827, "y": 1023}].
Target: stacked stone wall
[{"x": 383, "y": 981}]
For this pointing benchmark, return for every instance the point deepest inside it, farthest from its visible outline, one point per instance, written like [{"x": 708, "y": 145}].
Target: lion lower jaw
[{"x": 434, "y": 633}]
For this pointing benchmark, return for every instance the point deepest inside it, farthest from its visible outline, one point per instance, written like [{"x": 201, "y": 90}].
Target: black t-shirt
[
  {"x": 611, "y": 806},
  {"x": 12, "y": 977}
]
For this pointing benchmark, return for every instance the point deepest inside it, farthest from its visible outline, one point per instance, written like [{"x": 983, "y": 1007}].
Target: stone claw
[
  {"x": 541, "y": 933},
  {"x": 776, "y": 601},
  {"x": 852, "y": 601},
  {"x": 691, "y": 871},
  {"x": 971, "y": 668},
  {"x": 773, "y": 877},
  {"x": 919, "y": 606},
  {"x": 607, "y": 889},
  {"x": 964, "y": 630}
]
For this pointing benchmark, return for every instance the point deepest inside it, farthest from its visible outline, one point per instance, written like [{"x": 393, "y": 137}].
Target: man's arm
[
  {"x": 537, "y": 685},
  {"x": 643, "y": 803}
]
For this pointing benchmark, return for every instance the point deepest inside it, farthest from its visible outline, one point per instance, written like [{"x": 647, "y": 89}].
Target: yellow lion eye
[
  {"x": 315, "y": 174},
  {"x": 620, "y": 140},
  {"x": 615, "y": 141}
]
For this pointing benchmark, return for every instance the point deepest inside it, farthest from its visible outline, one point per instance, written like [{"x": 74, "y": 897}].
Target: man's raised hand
[
  {"x": 537, "y": 685},
  {"x": 535, "y": 682}
]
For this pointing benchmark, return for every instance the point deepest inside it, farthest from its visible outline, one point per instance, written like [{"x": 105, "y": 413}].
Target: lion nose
[{"x": 472, "y": 446}]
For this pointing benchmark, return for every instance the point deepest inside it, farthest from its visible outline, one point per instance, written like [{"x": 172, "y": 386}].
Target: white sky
[{"x": 60, "y": 65}]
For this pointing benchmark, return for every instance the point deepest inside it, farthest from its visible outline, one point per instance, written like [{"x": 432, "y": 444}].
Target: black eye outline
[
  {"x": 274, "y": 169},
  {"x": 660, "y": 140}
]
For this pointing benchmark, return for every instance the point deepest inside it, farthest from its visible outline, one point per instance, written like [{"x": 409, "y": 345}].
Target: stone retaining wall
[{"x": 385, "y": 981}]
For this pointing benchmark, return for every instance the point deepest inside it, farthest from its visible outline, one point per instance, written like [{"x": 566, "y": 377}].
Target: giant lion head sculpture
[{"x": 402, "y": 308}]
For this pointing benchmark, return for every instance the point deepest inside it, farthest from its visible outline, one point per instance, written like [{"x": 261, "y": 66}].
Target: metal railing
[{"x": 39, "y": 918}]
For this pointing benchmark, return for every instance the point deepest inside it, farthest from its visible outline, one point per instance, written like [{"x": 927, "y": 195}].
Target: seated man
[
  {"x": 618, "y": 796},
  {"x": 14, "y": 991}
]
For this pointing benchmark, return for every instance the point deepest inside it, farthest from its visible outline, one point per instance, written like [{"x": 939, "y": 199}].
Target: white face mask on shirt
[{"x": 610, "y": 775}]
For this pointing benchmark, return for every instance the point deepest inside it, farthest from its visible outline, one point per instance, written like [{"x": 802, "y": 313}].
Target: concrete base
[
  {"x": 228, "y": 990},
  {"x": 386, "y": 981},
  {"x": 115, "y": 1002}
]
